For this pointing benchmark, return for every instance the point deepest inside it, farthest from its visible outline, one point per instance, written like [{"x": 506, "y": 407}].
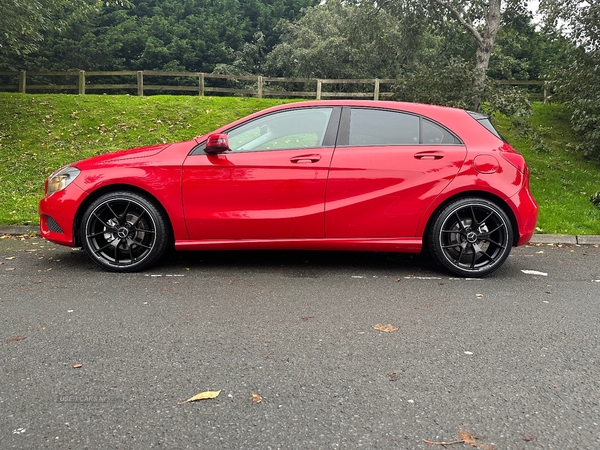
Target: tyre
[
  {"x": 124, "y": 232},
  {"x": 471, "y": 237}
]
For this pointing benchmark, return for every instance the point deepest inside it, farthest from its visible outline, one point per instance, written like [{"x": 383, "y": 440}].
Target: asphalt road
[{"x": 511, "y": 360}]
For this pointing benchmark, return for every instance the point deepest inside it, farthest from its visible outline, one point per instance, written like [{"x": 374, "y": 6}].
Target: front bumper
[{"x": 57, "y": 215}]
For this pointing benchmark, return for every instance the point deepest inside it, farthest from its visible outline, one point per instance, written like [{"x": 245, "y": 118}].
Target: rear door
[{"x": 387, "y": 168}]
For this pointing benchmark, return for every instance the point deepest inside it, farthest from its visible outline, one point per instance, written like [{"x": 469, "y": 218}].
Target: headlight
[{"x": 61, "y": 179}]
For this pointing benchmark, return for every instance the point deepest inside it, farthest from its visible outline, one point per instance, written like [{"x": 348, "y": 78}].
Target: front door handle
[
  {"x": 306, "y": 159},
  {"x": 429, "y": 155}
]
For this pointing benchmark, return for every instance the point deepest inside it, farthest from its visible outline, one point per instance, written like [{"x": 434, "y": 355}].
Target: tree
[
  {"x": 484, "y": 35},
  {"x": 192, "y": 35},
  {"x": 331, "y": 41},
  {"x": 578, "y": 81},
  {"x": 24, "y": 22}
]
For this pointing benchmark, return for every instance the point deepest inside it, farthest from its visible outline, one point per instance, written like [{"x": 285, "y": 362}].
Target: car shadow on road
[
  {"x": 293, "y": 263},
  {"x": 300, "y": 263}
]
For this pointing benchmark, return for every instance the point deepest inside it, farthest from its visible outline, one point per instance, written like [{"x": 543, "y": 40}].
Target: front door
[{"x": 269, "y": 185}]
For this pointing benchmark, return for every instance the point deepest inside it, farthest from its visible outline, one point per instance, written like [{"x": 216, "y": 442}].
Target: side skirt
[{"x": 401, "y": 245}]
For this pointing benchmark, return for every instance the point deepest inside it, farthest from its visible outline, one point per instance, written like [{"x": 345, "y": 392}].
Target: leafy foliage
[
  {"x": 447, "y": 83},
  {"x": 521, "y": 51},
  {"x": 24, "y": 22},
  {"x": 192, "y": 35},
  {"x": 578, "y": 81},
  {"x": 324, "y": 43}
]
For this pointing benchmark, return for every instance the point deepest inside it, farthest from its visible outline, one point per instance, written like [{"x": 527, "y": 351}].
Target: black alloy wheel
[
  {"x": 124, "y": 232},
  {"x": 471, "y": 237}
]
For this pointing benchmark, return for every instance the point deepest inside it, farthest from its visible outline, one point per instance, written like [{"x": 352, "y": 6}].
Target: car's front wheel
[
  {"x": 471, "y": 237},
  {"x": 124, "y": 232}
]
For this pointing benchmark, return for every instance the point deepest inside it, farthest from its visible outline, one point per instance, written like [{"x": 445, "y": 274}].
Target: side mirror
[{"x": 217, "y": 143}]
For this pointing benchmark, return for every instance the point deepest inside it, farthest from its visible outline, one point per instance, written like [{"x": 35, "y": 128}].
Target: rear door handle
[
  {"x": 306, "y": 159},
  {"x": 429, "y": 155}
]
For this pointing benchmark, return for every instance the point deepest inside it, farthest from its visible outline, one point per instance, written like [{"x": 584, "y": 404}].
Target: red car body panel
[
  {"x": 385, "y": 195},
  {"x": 342, "y": 198},
  {"x": 61, "y": 206},
  {"x": 256, "y": 195},
  {"x": 158, "y": 175}
]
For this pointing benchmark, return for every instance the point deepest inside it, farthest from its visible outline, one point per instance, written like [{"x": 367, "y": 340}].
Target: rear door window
[
  {"x": 379, "y": 127},
  {"x": 383, "y": 127}
]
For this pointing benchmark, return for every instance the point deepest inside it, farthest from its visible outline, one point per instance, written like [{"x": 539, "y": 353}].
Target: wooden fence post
[
  {"x": 140, "y": 83},
  {"x": 81, "y": 82},
  {"x": 201, "y": 84},
  {"x": 545, "y": 92},
  {"x": 260, "y": 87},
  {"x": 319, "y": 86},
  {"x": 376, "y": 94},
  {"x": 22, "y": 81}
]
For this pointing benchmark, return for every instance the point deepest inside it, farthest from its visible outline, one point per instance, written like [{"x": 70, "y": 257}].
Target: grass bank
[
  {"x": 562, "y": 180},
  {"x": 40, "y": 133}
]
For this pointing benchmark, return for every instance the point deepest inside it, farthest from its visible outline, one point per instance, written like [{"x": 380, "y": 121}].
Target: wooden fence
[{"x": 83, "y": 82}]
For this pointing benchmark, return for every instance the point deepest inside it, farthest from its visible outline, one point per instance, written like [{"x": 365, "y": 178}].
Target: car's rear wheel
[
  {"x": 124, "y": 232},
  {"x": 471, "y": 237}
]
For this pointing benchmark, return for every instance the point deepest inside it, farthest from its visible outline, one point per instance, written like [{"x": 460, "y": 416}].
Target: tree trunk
[
  {"x": 485, "y": 45},
  {"x": 484, "y": 40}
]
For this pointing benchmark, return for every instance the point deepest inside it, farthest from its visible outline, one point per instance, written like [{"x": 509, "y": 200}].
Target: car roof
[{"x": 457, "y": 120}]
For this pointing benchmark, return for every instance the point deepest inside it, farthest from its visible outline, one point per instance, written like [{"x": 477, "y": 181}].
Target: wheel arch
[
  {"x": 114, "y": 188},
  {"x": 480, "y": 194}
]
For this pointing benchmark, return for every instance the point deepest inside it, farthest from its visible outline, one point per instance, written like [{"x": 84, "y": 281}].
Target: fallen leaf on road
[
  {"x": 464, "y": 438},
  {"x": 77, "y": 366},
  {"x": 10, "y": 257},
  {"x": 256, "y": 398},
  {"x": 471, "y": 440},
  {"x": 16, "y": 339},
  {"x": 389, "y": 328},
  {"x": 206, "y": 395},
  {"x": 393, "y": 376}
]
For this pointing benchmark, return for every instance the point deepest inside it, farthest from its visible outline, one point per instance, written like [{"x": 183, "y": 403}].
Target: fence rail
[{"x": 201, "y": 83}]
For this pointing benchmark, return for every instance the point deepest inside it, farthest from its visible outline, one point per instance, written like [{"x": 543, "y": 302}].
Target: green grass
[
  {"x": 562, "y": 180},
  {"x": 41, "y": 133}
]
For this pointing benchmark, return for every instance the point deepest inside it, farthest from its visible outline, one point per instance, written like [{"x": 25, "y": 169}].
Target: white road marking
[{"x": 534, "y": 272}]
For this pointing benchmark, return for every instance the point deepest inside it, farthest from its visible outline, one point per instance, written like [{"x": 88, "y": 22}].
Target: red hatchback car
[{"x": 321, "y": 175}]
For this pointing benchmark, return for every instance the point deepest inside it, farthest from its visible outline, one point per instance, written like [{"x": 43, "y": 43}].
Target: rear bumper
[{"x": 525, "y": 209}]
